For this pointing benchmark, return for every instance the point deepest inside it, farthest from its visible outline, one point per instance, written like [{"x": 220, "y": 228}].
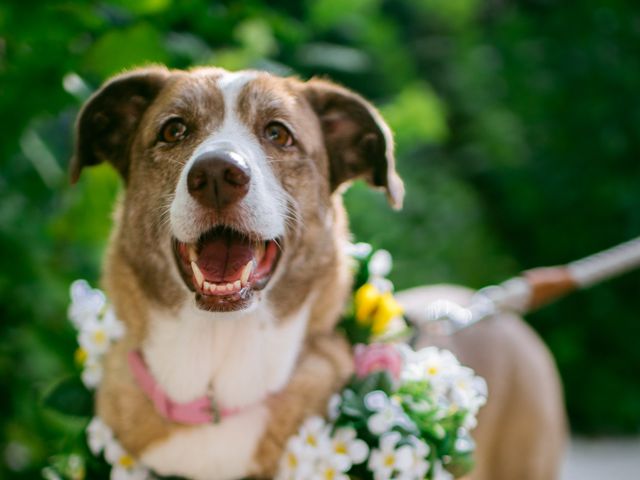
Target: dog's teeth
[
  {"x": 197, "y": 274},
  {"x": 246, "y": 272},
  {"x": 219, "y": 287},
  {"x": 193, "y": 256}
]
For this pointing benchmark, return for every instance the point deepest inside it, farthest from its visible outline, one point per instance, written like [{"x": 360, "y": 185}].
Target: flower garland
[
  {"x": 405, "y": 415},
  {"x": 98, "y": 328}
]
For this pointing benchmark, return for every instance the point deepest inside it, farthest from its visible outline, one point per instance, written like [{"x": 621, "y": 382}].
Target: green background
[{"x": 518, "y": 134}]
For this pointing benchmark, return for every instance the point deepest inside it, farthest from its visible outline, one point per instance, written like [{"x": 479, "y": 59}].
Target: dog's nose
[{"x": 218, "y": 178}]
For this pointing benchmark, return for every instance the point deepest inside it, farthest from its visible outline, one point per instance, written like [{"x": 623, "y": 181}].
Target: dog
[{"x": 227, "y": 264}]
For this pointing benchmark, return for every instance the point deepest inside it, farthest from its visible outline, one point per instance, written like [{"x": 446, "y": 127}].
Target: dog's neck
[{"x": 238, "y": 361}]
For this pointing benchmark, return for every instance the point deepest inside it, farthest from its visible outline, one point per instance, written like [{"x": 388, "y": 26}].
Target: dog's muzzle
[{"x": 225, "y": 265}]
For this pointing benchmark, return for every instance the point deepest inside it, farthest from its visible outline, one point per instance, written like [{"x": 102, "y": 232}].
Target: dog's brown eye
[
  {"x": 278, "y": 134},
  {"x": 173, "y": 131}
]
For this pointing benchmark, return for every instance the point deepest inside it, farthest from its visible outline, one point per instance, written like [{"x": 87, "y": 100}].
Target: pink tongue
[{"x": 222, "y": 259}]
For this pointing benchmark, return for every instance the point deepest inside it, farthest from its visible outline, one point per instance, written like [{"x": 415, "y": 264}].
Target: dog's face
[{"x": 230, "y": 177}]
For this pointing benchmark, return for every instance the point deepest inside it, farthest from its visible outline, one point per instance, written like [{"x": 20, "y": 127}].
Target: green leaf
[
  {"x": 70, "y": 466},
  {"x": 256, "y": 36},
  {"x": 455, "y": 14},
  {"x": 417, "y": 115},
  {"x": 70, "y": 397},
  {"x": 121, "y": 49},
  {"x": 352, "y": 405},
  {"x": 380, "y": 380},
  {"x": 143, "y": 6},
  {"x": 330, "y": 13},
  {"x": 461, "y": 464}
]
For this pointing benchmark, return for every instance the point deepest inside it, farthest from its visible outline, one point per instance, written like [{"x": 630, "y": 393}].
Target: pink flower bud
[{"x": 377, "y": 357}]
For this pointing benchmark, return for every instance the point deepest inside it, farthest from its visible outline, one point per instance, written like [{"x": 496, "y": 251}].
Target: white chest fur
[{"x": 240, "y": 359}]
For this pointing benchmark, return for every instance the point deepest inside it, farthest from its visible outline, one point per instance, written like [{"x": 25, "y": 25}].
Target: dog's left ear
[{"x": 359, "y": 142}]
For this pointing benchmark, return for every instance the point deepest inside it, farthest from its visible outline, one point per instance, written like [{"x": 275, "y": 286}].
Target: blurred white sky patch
[
  {"x": 17, "y": 456},
  {"x": 337, "y": 57},
  {"x": 76, "y": 86},
  {"x": 41, "y": 157}
]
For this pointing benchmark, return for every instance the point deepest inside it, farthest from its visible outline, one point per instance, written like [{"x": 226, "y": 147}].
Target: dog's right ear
[{"x": 108, "y": 120}]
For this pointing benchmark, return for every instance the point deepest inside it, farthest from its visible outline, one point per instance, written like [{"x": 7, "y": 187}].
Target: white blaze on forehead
[
  {"x": 263, "y": 209},
  {"x": 232, "y": 82}
]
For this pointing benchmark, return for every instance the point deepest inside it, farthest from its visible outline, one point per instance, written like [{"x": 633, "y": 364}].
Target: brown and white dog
[{"x": 227, "y": 263}]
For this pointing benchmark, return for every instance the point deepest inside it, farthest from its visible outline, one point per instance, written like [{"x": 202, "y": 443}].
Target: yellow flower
[
  {"x": 375, "y": 309},
  {"x": 388, "y": 309},
  {"x": 366, "y": 301}
]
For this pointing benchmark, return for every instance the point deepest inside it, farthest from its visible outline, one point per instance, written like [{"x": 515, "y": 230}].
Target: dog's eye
[
  {"x": 278, "y": 134},
  {"x": 173, "y": 131}
]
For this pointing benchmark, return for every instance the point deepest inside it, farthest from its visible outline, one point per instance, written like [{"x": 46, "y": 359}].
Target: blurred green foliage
[{"x": 518, "y": 131}]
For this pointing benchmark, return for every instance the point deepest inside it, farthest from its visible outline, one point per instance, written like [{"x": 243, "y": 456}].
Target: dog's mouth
[{"x": 225, "y": 267}]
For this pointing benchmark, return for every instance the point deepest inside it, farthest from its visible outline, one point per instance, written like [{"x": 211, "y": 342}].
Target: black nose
[{"x": 218, "y": 178}]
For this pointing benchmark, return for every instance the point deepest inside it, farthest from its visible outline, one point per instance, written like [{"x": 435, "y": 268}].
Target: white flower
[
  {"x": 387, "y": 460},
  {"x": 307, "y": 450},
  {"x": 115, "y": 328},
  {"x": 419, "y": 466},
  {"x": 93, "y": 337},
  {"x": 86, "y": 303},
  {"x": 346, "y": 444},
  {"x": 328, "y": 469},
  {"x": 75, "y": 467},
  {"x": 380, "y": 264},
  {"x": 388, "y": 413},
  {"x": 114, "y": 454},
  {"x": 49, "y": 473},
  {"x": 123, "y": 465},
  {"x": 376, "y": 400},
  {"x": 383, "y": 285},
  {"x": 455, "y": 387},
  {"x": 333, "y": 409},
  {"x": 357, "y": 250},
  {"x": 431, "y": 364},
  {"x": 470, "y": 421},
  {"x": 99, "y": 435},
  {"x": 123, "y": 473},
  {"x": 440, "y": 473},
  {"x": 468, "y": 391},
  {"x": 464, "y": 443},
  {"x": 92, "y": 371},
  {"x": 96, "y": 334},
  {"x": 314, "y": 433},
  {"x": 295, "y": 464},
  {"x": 382, "y": 421}
]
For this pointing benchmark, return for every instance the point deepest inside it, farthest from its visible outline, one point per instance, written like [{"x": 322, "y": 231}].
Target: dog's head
[{"x": 230, "y": 177}]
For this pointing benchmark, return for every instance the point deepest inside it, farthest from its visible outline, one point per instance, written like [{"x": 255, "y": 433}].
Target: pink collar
[{"x": 198, "y": 411}]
